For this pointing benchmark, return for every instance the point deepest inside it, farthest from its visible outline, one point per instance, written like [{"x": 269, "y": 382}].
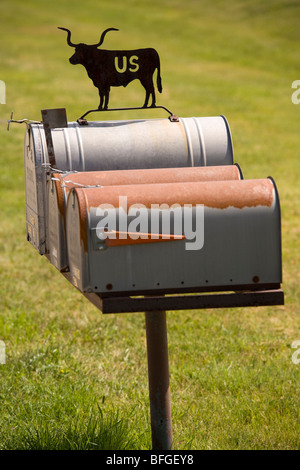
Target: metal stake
[
  {"x": 158, "y": 375},
  {"x": 53, "y": 118}
]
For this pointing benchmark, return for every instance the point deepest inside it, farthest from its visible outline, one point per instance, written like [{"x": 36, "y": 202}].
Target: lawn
[{"x": 74, "y": 378}]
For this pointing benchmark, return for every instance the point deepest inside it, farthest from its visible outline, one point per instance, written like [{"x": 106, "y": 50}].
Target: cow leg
[
  {"x": 146, "y": 99},
  {"x": 101, "y": 100},
  {"x": 106, "y": 96},
  {"x": 153, "y": 98},
  {"x": 152, "y": 92},
  {"x": 148, "y": 93},
  {"x": 148, "y": 85}
]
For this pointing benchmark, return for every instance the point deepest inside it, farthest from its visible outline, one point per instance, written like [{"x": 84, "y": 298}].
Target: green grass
[{"x": 77, "y": 379}]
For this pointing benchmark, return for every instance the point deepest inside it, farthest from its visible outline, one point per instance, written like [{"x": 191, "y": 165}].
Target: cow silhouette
[{"x": 107, "y": 68}]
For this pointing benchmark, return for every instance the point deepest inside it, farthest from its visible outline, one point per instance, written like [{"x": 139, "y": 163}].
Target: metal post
[
  {"x": 158, "y": 374},
  {"x": 53, "y": 118}
]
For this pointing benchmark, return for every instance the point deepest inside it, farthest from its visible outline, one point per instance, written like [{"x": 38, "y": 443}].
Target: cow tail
[{"x": 158, "y": 80}]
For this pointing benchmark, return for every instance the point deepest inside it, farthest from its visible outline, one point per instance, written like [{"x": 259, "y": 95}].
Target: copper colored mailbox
[{"x": 238, "y": 245}]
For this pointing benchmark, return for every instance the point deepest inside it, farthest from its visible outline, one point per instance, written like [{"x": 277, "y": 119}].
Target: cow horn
[
  {"x": 69, "y": 37},
  {"x": 103, "y": 35}
]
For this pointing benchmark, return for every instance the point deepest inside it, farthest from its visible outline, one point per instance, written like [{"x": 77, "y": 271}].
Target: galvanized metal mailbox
[
  {"x": 114, "y": 145},
  {"x": 61, "y": 183},
  {"x": 238, "y": 245}
]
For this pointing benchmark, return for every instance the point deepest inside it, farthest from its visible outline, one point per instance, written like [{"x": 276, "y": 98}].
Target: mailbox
[
  {"x": 61, "y": 183},
  {"x": 238, "y": 246},
  {"x": 116, "y": 145}
]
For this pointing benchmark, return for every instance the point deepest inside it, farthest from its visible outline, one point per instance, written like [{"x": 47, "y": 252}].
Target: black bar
[
  {"x": 189, "y": 302},
  {"x": 122, "y": 109},
  {"x": 194, "y": 290}
]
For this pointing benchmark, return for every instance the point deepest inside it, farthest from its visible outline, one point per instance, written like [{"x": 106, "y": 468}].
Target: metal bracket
[
  {"x": 53, "y": 118},
  {"x": 83, "y": 122},
  {"x": 20, "y": 121}
]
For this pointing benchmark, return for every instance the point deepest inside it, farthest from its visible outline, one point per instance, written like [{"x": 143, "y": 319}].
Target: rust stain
[
  {"x": 60, "y": 198},
  {"x": 149, "y": 176},
  {"x": 82, "y": 213},
  {"x": 65, "y": 182},
  {"x": 215, "y": 194}
]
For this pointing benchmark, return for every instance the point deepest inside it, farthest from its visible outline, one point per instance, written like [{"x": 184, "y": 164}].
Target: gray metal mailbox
[
  {"x": 61, "y": 184},
  {"x": 114, "y": 145},
  {"x": 240, "y": 246}
]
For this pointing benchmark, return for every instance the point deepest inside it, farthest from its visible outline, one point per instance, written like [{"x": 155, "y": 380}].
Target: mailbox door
[
  {"x": 35, "y": 156},
  {"x": 241, "y": 249},
  {"x": 56, "y": 237},
  {"x": 77, "y": 247}
]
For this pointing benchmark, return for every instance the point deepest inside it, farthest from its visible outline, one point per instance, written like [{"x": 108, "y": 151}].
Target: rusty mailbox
[
  {"x": 114, "y": 145},
  {"x": 61, "y": 183},
  {"x": 219, "y": 235}
]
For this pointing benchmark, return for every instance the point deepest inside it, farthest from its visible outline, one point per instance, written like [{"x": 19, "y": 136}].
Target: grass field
[{"x": 76, "y": 379}]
